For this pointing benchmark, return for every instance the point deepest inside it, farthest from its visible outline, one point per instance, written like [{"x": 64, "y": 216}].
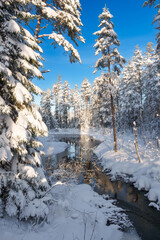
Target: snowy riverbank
[{"x": 124, "y": 163}]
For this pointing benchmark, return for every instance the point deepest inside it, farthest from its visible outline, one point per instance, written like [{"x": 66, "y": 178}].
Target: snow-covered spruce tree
[
  {"x": 129, "y": 97},
  {"x": 151, "y": 89},
  {"x": 57, "y": 97},
  {"x": 137, "y": 60},
  {"x": 156, "y": 4},
  {"x": 56, "y": 20},
  {"x": 65, "y": 104},
  {"x": 22, "y": 181},
  {"x": 111, "y": 59},
  {"x": 86, "y": 93},
  {"x": 46, "y": 111},
  {"x": 97, "y": 103},
  {"x": 75, "y": 107},
  {"x": 147, "y": 80},
  {"x": 131, "y": 92},
  {"x": 101, "y": 105}
]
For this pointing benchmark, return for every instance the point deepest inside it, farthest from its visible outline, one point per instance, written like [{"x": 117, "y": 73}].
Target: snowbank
[
  {"x": 77, "y": 213},
  {"x": 124, "y": 163},
  {"x": 51, "y": 146}
]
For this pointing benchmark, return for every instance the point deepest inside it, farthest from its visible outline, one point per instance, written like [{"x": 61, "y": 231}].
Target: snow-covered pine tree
[
  {"x": 138, "y": 62},
  {"x": 156, "y": 4},
  {"x": 76, "y": 107},
  {"x": 111, "y": 59},
  {"x": 65, "y": 104},
  {"x": 101, "y": 103},
  {"x": 86, "y": 93},
  {"x": 148, "y": 54},
  {"x": 131, "y": 92},
  {"x": 96, "y": 104},
  {"x": 151, "y": 88},
  {"x": 129, "y": 97},
  {"x": 56, "y": 20},
  {"x": 22, "y": 181},
  {"x": 46, "y": 108},
  {"x": 57, "y": 93}
]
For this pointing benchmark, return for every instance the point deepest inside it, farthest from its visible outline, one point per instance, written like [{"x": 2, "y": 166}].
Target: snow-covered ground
[{"x": 77, "y": 213}]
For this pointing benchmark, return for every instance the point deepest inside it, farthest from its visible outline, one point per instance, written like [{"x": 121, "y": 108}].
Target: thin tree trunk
[
  {"x": 37, "y": 30},
  {"x": 136, "y": 142},
  {"x": 114, "y": 127},
  {"x": 112, "y": 109}
]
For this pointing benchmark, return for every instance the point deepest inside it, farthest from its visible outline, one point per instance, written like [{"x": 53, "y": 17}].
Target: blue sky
[{"x": 132, "y": 23}]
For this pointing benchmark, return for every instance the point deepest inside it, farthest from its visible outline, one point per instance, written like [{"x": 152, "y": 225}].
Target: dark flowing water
[{"x": 80, "y": 163}]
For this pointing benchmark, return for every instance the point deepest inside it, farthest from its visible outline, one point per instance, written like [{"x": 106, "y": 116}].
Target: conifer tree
[
  {"x": 156, "y": 20},
  {"x": 151, "y": 88},
  {"x": 111, "y": 59},
  {"x": 130, "y": 97},
  {"x": 65, "y": 104},
  {"x": 138, "y": 62},
  {"x": 22, "y": 181},
  {"x": 76, "y": 106},
  {"x": 46, "y": 105},
  {"x": 131, "y": 92},
  {"x": 57, "y": 93},
  {"x": 101, "y": 103},
  {"x": 86, "y": 92}
]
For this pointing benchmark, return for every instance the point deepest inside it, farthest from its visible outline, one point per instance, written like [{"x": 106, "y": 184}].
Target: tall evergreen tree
[
  {"x": 86, "y": 93},
  {"x": 151, "y": 88},
  {"x": 22, "y": 181},
  {"x": 57, "y": 93},
  {"x": 131, "y": 92},
  {"x": 111, "y": 59},
  {"x": 130, "y": 97},
  {"x": 46, "y": 108},
  {"x": 138, "y": 62},
  {"x": 156, "y": 20},
  {"x": 65, "y": 104},
  {"x": 101, "y": 103},
  {"x": 76, "y": 107}
]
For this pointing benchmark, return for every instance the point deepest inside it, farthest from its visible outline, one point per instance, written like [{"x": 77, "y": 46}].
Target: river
[{"x": 79, "y": 163}]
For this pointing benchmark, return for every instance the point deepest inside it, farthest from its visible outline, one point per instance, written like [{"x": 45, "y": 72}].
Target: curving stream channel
[{"x": 79, "y": 163}]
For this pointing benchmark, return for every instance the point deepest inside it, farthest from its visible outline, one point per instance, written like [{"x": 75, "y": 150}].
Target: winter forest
[{"x": 65, "y": 163}]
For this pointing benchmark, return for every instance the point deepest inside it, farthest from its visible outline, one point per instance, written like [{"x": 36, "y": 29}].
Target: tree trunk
[
  {"x": 37, "y": 30},
  {"x": 112, "y": 109},
  {"x": 114, "y": 127}
]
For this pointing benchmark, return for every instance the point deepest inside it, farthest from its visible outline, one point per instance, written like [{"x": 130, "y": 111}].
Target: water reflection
[{"x": 79, "y": 163}]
